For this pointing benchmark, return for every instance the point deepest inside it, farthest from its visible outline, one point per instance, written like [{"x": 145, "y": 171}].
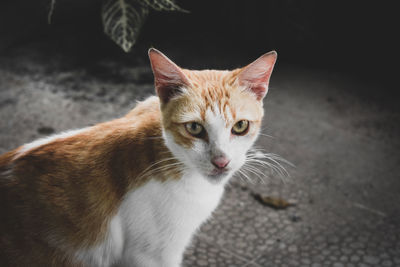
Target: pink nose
[{"x": 220, "y": 162}]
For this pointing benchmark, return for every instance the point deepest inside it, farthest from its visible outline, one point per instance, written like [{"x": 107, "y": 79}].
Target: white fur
[
  {"x": 155, "y": 223},
  {"x": 46, "y": 140},
  {"x": 161, "y": 218},
  {"x": 109, "y": 251}
]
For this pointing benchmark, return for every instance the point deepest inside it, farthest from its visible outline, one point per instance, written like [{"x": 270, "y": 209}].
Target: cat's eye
[
  {"x": 241, "y": 127},
  {"x": 195, "y": 129}
]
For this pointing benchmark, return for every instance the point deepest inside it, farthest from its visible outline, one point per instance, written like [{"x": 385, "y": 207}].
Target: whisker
[
  {"x": 255, "y": 171},
  {"x": 269, "y": 169},
  {"x": 276, "y": 168},
  {"x": 263, "y": 130},
  {"x": 245, "y": 175},
  {"x": 257, "y": 158},
  {"x": 152, "y": 165},
  {"x": 267, "y": 135},
  {"x": 266, "y": 163},
  {"x": 163, "y": 168}
]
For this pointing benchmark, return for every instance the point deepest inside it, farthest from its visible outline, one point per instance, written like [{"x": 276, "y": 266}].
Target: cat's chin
[{"x": 216, "y": 176}]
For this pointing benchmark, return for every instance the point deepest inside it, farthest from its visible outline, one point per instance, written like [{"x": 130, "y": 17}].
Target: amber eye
[
  {"x": 194, "y": 129},
  {"x": 241, "y": 127}
]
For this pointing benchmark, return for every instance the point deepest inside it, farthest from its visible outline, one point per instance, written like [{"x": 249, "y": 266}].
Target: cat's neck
[{"x": 138, "y": 151}]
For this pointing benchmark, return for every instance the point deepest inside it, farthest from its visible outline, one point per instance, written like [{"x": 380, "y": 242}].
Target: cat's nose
[{"x": 220, "y": 161}]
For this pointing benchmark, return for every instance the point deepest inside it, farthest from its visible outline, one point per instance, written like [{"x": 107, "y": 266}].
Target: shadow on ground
[{"x": 343, "y": 142}]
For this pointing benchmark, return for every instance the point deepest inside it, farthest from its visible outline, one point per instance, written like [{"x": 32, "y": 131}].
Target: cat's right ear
[
  {"x": 168, "y": 77},
  {"x": 256, "y": 75}
]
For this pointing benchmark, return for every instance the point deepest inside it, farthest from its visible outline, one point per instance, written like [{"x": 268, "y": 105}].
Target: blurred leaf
[
  {"x": 160, "y": 5},
  {"x": 122, "y": 20}
]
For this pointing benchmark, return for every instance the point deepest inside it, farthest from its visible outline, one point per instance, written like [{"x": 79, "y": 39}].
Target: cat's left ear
[
  {"x": 256, "y": 75},
  {"x": 168, "y": 77}
]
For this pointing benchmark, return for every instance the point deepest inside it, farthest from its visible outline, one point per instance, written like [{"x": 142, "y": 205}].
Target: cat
[{"x": 134, "y": 190}]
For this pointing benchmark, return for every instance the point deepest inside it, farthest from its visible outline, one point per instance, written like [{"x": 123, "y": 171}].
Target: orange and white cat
[{"x": 133, "y": 191}]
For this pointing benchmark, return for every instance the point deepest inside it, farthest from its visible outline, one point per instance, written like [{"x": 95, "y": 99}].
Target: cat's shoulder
[
  {"x": 149, "y": 108},
  {"x": 143, "y": 120}
]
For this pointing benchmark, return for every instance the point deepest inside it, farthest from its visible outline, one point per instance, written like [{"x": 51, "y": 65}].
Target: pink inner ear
[
  {"x": 168, "y": 77},
  {"x": 256, "y": 75}
]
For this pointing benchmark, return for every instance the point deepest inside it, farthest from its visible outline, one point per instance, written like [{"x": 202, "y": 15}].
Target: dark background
[{"x": 356, "y": 37}]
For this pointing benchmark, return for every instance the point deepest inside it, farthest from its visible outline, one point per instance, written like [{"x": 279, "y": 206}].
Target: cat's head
[{"x": 211, "y": 118}]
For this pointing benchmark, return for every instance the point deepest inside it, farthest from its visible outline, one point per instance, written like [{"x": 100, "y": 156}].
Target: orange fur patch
[{"x": 68, "y": 190}]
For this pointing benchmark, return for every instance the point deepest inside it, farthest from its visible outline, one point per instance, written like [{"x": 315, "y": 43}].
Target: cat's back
[{"x": 59, "y": 193}]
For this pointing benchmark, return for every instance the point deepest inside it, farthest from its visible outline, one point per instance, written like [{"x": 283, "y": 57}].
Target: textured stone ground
[{"x": 343, "y": 141}]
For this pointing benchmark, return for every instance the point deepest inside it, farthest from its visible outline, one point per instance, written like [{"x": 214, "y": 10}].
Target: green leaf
[
  {"x": 122, "y": 21},
  {"x": 160, "y": 5}
]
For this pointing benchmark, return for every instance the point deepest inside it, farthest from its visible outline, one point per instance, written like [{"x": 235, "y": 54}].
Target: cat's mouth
[{"x": 218, "y": 172}]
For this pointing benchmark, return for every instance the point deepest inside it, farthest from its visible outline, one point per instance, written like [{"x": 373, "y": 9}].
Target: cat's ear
[
  {"x": 168, "y": 77},
  {"x": 255, "y": 76}
]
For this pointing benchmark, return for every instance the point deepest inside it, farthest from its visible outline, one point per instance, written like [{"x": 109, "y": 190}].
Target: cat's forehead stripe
[
  {"x": 217, "y": 91},
  {"x": 203, "y": 76}
]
